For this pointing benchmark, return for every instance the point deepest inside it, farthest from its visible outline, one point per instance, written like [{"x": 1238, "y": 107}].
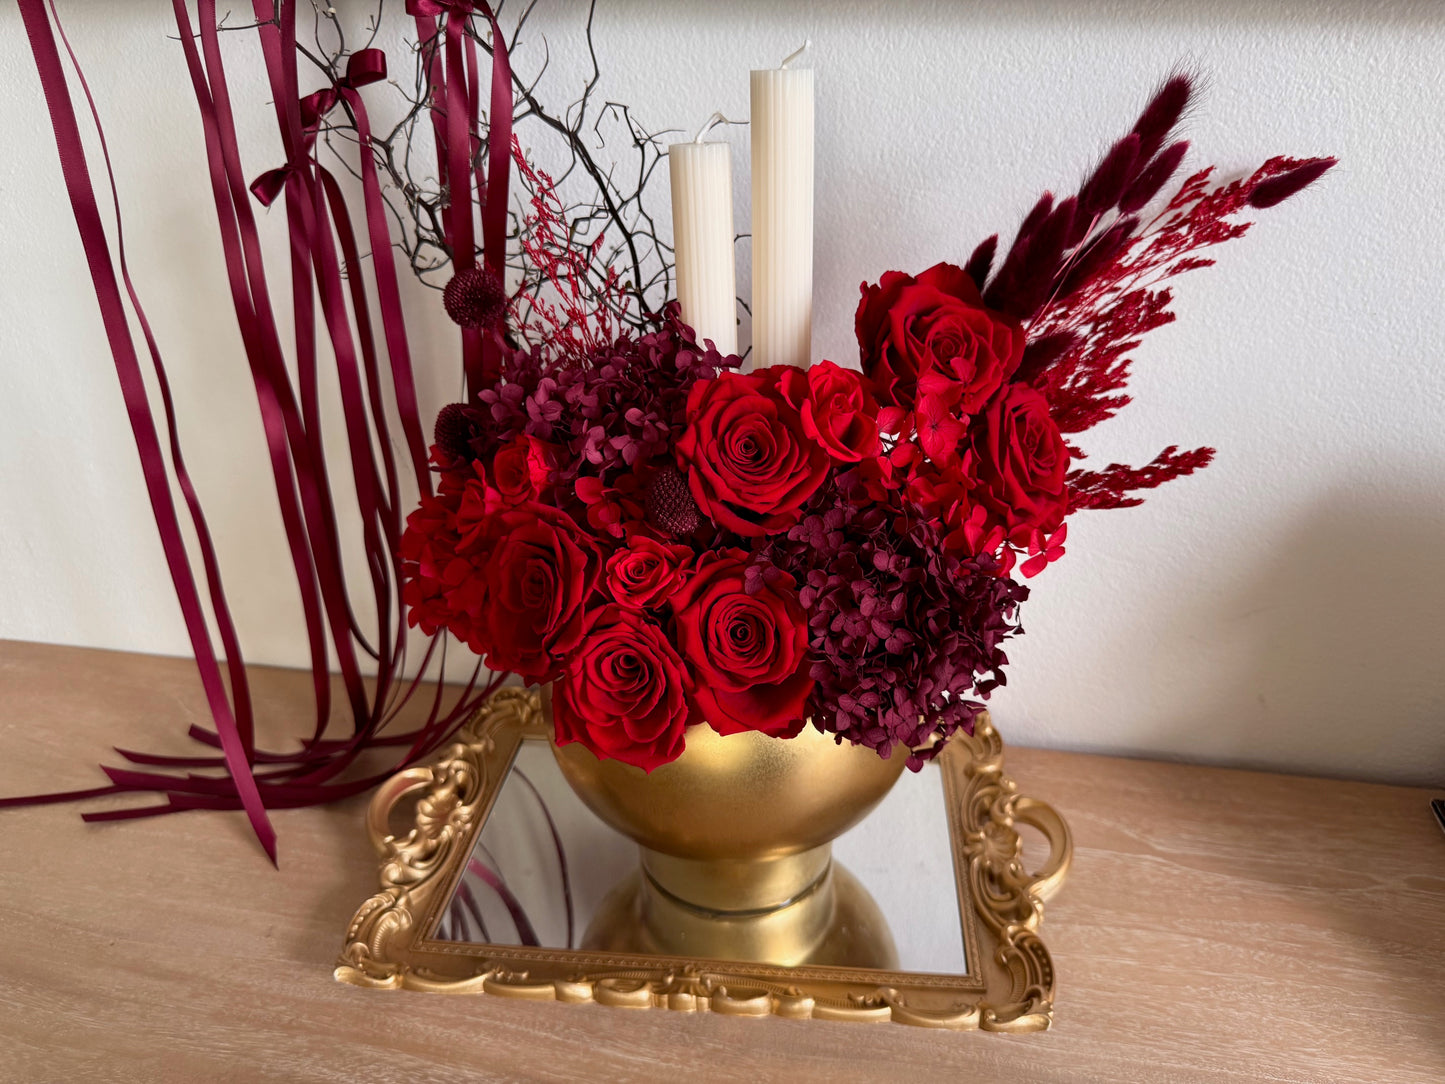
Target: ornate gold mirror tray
[{"x": 496, "y": 878}]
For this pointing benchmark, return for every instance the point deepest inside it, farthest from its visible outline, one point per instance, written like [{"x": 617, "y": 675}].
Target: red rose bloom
[
  {"x": 646, "y": 572},
  {"x": 622, "y": 693},
  {"x": 748, "y": 650},
  {"x": 540, "y": 570},
  {"x": 1021, "y": 462},
  {"x": 749, "y": 462},
  {"x": 932, "y": 335},
  {"x": 523, "y": 469},
  {"x": 836, "y": 408},
  {"x": 476, "y": 503}
]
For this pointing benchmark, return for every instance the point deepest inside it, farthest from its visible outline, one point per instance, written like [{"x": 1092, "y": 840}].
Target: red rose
[
  {"x": 646, "y": 572},
  {"x": 749, "y": 463},
  {"x": 1021, "y": 462},
  {"x": 476, "y": 504},
  {"x": 748, "y": 650},
  {"x": 540, "y": 570},
  {"x": 523, "y": 468},
  {"x": 622, "y": 693},
  {"x": 932, "y": 335},
  {"x": 836, "y": 408}
]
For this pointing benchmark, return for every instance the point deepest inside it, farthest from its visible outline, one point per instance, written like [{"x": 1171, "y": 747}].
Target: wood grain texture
[{"x": 1217, "y": 926}]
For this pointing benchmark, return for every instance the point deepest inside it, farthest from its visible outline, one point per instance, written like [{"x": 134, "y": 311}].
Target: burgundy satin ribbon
[
  {"x": 305, "y": 502},
  {"x": 457, "y": 129},
  {"x": 97, "y": 252},
  {"x": 314, "y": 247},
  {"x": 326, "y": 268}
]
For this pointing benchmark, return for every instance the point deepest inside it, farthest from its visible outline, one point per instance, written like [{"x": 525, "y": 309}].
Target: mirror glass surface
[{"x": 543, "y": 864}]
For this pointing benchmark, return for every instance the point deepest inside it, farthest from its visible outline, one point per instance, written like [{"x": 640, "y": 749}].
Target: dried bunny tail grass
[
  {"x": 1007, "y": 278},
  {"x": 1164, "y": 112},
  {"x": 1111, "y": 177},
  {"x": 1153, "y": 177},
  {"x": 1043, "y": 257},
  {"x": 1276, "y": 190},
  {"x": 981, "y": 262}
]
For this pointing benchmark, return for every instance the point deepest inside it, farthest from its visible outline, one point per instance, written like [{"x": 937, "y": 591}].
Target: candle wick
[
  {"x": 715, "y": 119},
  {"x": 796, "y": 53}
]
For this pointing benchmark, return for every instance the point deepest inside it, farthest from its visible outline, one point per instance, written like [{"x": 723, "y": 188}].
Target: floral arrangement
[
  {"x": 673, "y": 540},
  {"x": 618, "y": 506}
]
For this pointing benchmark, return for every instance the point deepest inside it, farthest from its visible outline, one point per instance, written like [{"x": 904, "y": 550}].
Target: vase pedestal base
[{"x": 831, "y": 921}]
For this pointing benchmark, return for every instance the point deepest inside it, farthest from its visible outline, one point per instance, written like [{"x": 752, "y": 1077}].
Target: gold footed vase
[{"x": 736, "y": 849}]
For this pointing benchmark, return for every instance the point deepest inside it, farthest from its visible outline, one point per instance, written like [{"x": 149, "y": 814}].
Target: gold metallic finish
[
  {"x": 1009, "y": 985},
  {"x": 734, "y": 885},
  {"x": 736, "y": 839},
  {"x": 744, "y": 796},
  {"x": 835, "y": 923}
]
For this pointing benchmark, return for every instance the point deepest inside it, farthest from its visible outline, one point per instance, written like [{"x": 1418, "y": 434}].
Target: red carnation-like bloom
[
  {"x": 748, "y": 650},
  {"x": 933, "y": 336},
  {"x": 622, "y": 692},
  {"x": 837, "y": 409},
  {"x": 645, "y": 573},
  {"x": 1021, "y": 463},
  {"x": 540, "y": 571},
  {"x": 750, "y": 463}
]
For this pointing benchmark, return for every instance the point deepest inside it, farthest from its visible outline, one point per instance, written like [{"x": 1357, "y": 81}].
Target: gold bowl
[{"x": 736, "y": 844}]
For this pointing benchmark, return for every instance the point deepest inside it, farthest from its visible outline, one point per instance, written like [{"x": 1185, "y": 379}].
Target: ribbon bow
[
  {"x": 362, "y": 67},
  {"x": 366, "y": 66},
  {"x": 270, "y": 185}
]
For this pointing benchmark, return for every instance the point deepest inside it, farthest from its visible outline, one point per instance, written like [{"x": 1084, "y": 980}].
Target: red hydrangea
[{"x": 607, "y": 412}]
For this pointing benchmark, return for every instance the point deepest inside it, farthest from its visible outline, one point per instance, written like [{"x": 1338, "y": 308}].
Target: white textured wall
[{"x": 1286, "y": 608}]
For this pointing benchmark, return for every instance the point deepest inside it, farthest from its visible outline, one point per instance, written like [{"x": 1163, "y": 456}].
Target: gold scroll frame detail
[{"x": 1009, "y": 985}]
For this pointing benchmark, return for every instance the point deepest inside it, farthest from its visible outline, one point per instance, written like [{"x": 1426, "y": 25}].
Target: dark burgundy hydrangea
[
  {"x": 623, "y": 406},
  {"x": 902, "y": 633}
]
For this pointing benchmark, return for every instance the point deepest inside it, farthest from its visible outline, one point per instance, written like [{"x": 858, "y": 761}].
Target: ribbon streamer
[
  {"x": 456, "y": 126},
  {"x": 97, "y": 253},
  {"x": 327, "y": 269}
]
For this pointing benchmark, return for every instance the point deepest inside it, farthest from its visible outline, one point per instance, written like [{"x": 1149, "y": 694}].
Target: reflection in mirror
[{"x": 544, "y": 866}]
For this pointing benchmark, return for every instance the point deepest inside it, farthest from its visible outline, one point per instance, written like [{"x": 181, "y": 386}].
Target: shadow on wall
[{"x": 1343, "y": 628}]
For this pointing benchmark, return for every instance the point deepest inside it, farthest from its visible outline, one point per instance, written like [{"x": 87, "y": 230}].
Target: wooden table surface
[{"x": 1217, "y": 925}]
